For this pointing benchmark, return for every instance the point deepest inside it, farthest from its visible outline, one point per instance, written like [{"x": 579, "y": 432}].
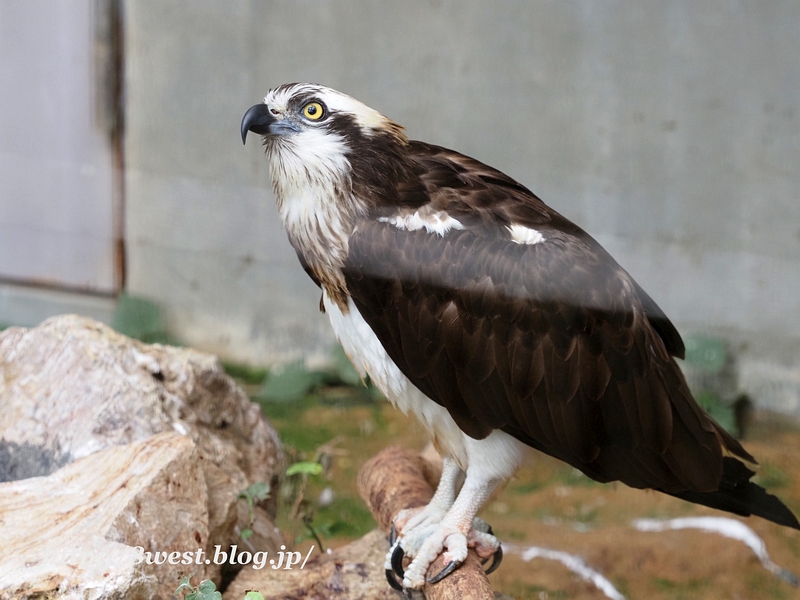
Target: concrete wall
[{"x": 669, "y": 130}]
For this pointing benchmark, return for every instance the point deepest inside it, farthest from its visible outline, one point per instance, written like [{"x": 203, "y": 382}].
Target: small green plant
[
  {"x": 720, "y": 411},
  {"x": 294, "y": 382},
  {"x": 291, "y": 382},
  {"x": 208, "y": 591},
  {"x": 253, "y": 495},
  {"x": 300, "y": 509},
  {"x": 205, "y": 591},
  {"x": 704, "y": 353},
  {"x": 304, "y": 468},
  {"x": 246, "y": 373},
  {"x": 141, "y": 319}
]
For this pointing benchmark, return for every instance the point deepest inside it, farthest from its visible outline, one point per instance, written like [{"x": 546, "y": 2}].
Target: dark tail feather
[{"x": 737, "y": 494}]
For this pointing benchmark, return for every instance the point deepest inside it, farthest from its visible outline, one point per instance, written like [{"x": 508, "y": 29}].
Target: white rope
[
  {"x": 730, "y": 528},
  {"x": 572, "y": 562}
]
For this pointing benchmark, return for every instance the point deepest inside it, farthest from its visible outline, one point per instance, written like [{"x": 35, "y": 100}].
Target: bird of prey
[{"x": 501, "y": 325}]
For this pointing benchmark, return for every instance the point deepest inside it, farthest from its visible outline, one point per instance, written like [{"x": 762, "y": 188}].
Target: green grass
[
  {"x": 765, "y": 585},
  {"x": 680, "y": 590},
  {"x": 574, "y": 478},
  {"x": 560, "y": 474},
  {"x": 772, "y": 477},
  {"x": 346, "y": 516},
  {"x": 529, "y": 487},
  {"x": 294, "y": 432},
  {"x": 303, "y": 429}
]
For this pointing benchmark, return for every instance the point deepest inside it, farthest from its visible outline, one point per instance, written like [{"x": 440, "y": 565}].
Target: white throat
[{"x": 311, "y": 177}]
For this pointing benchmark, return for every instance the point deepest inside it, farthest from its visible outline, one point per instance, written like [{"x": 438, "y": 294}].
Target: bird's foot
[
  {"x": 486, "y": 545},
  {"x": 426, "y": 545},
  {"x": 409, "y": 519},
  {"x": 428, "y": 539},
  {"x": 414, "y": 524}
]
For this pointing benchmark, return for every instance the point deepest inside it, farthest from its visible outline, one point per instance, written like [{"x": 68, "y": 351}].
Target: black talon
[
  {"x": 498, "y": 558},
  {"x": 392, "y": 534},
  {"x": 448, "y": 568},
  {"x": 392, "y": 579},
  {"x": 485, "y": 560},
  {"x": 397, "y": 561}
]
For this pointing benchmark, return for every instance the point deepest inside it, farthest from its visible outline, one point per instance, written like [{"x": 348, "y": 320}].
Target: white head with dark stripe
[{"x": 314, "y": 135}]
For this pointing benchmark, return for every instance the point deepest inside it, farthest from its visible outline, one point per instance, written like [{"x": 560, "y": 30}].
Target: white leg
[
  {"x": 451, "y": 534},
  {"x": 442, "y": 500},
  {"x": 490, "y": 461},
  {"x": 413, "y": 525}
]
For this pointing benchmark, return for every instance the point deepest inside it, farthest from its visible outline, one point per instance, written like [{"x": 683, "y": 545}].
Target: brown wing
[
  {"x": 547, "y": 342},
  {"x": 484, "y": 198},
  {"x": 553, "y": 343}
]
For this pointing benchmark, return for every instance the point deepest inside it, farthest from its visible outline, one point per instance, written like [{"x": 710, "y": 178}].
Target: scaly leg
[
  {"x": 453, "y": 533},
  {"x": 414, "y": 524}
]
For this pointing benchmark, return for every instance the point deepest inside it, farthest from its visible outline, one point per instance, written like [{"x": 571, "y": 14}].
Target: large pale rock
[
  {"x": 73, "y": 534},
  {"x": 72, "y": 387}
]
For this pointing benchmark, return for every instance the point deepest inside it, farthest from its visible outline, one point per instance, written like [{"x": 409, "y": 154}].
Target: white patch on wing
[
  {"x": 525, "y": 235},
  {"x": 433, "y": 222},
  {"x": 495, "y": 457}
]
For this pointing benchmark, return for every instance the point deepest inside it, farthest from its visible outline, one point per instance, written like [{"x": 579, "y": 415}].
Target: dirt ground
[{"x": 551, "y": 505}]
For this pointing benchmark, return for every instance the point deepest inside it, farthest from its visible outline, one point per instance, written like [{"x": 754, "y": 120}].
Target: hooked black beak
[{"x": 257, "y": 119}]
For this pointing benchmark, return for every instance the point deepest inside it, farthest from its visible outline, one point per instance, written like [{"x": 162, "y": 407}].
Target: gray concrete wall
[{"x": 669, "y": 130}]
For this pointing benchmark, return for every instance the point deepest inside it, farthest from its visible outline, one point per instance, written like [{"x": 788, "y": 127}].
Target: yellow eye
[{"x": 313, "y": 111}]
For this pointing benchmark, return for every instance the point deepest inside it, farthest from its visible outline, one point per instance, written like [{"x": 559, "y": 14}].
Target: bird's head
[
  {"x": 316, "y": 135},
  {"x": 301, "y": 113}
]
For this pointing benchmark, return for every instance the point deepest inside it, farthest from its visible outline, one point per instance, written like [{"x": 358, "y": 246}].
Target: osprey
[{"x": 495, "y": 320}]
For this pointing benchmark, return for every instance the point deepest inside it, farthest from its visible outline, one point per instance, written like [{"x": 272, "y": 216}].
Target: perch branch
[{"x": 398, "y": 478}]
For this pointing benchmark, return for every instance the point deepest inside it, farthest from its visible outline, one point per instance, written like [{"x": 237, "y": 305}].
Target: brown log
[{"x": 398, "y": 478}]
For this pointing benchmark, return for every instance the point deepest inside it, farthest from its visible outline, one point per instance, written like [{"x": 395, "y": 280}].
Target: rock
[
  {"x": 73, "y": 534},
  {"x": 352, "y": 572},
  {"x": 72, "y": 387}
]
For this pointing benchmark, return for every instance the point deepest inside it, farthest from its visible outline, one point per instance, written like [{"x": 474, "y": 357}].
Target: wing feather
[{"x": 551, "y": 342}]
